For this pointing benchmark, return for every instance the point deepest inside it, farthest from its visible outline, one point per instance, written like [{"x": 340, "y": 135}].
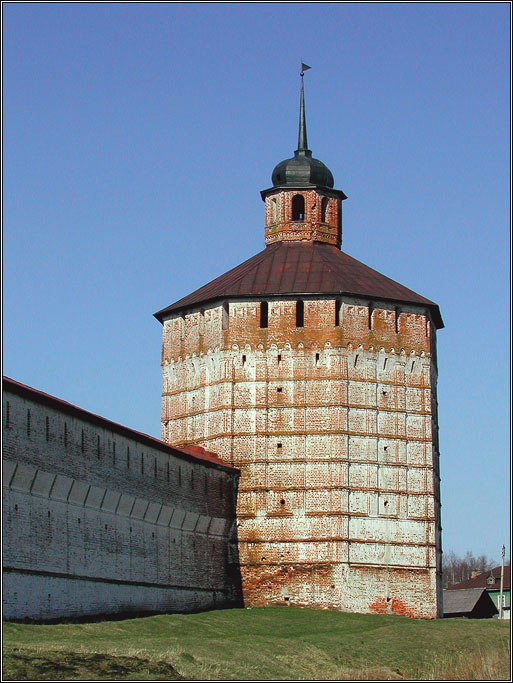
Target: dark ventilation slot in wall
[
  {"x": 179, "y": 476},
  {"x": 7, "y": 415},
  {"x": 65, "y": 435},
  {"x": 47, "y": 428},
  {"x": 154, "y": 468},
  {"x": 206, "y": 483},
  {"x": 28, "y": 422},
  {"x": 192, "y": 479},
  {"x": 113, "y": 452},
  {"x": 317, "y": 358},
  {"x": 243, "y": 360},
  {"x": 279, "y": 358},
  {"x": 298, "y": 207},
  {"x": 338, "y": 308},
  {"x": 142, "y": 463},
  {"x": 167, "y": 472},
  {"x": 82, "y": 441},
  {"x": 264, "y": 314},
  {"x": 300, "y": 313},
  {"x": 98, "y": 446},
  {"x": 128, "y": 457}
]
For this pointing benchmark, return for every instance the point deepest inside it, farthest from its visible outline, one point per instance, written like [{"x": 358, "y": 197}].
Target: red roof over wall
[
  {"x": 186, "y": 453},
  {"x": 481, "y": 580},
  {"x": 302, "y": 268}
]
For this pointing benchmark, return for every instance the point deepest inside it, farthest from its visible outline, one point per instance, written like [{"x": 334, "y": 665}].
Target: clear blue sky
[{"x": 137, "y": 138}]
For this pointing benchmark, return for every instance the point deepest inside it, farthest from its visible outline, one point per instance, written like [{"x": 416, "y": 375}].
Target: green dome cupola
[{"x": 302, "y": 204}]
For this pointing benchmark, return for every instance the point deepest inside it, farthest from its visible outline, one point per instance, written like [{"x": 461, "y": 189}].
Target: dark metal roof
[
  {"x": 190, "y": 453},
  {"x": 302, "y": 170},
  {"x": 481, "y": 581},
  {"x": 464, "y": 601},
  {"x": 305, "y": 268}
]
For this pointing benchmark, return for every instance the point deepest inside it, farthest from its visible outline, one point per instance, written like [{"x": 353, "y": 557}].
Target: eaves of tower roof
[{"x": 302, "y": 268}]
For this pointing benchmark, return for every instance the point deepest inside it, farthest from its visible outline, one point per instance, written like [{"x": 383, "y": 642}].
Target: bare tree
[{"x": 456, "y": 568}]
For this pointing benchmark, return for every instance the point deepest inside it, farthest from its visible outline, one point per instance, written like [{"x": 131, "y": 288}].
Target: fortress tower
[{"x": 316, "y": 377}]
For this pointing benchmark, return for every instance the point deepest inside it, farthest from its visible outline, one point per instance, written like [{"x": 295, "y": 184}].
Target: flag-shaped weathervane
[{"x": 304, "y": 67}]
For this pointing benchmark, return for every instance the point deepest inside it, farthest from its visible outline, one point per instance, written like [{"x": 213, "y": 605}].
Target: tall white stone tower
[{"x": 316, "y": 376}]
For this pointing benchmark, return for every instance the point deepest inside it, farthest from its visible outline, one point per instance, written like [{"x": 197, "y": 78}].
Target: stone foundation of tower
[{"x": 333, "y": 427}]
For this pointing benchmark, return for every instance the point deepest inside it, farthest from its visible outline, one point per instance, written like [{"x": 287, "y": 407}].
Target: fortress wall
[
  {"x": 109, "y": 522},
  {"x": 332, "y": 429}
]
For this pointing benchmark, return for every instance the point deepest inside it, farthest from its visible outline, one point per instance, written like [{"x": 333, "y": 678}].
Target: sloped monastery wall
[
  {"x": 100, "y": 519},
  {"x": 333, "y": 426}
]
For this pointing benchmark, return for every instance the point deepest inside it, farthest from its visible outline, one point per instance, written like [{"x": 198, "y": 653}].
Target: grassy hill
[{"x": 278, "y": 643}]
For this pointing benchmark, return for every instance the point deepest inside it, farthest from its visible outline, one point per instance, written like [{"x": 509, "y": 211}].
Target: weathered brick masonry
[
  {"x": 101, "y": 519},
  {"x": 316, "y": 377},
  {"x": 302, "y": 368}
]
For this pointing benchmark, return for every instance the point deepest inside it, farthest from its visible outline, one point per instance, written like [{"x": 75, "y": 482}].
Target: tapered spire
[{"x": 302, "y": 142}]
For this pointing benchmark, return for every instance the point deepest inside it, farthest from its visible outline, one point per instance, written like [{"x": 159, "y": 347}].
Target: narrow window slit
[
  {"x": 324, "y": 208},
  {"x": 226, "y": 315},
  {"x": 300, "y": 313},
  {"x": 264, "y": 314},
  {"x": 298, "y": 207},
  {"x": 338, "y": 305}
]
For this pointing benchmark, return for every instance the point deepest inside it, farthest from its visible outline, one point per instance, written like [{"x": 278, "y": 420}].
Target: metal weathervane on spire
[{"x": 302, "y": 144}]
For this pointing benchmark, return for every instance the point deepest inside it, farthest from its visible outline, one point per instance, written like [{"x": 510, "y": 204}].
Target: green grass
[{"x": 275, "y": 643}]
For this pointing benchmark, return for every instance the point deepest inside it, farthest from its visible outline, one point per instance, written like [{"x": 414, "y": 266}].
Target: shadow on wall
[{"x": 233, "y": 563}]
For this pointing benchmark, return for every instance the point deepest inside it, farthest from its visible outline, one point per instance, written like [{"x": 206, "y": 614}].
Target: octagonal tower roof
[{"x": 305, "y": 267}]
